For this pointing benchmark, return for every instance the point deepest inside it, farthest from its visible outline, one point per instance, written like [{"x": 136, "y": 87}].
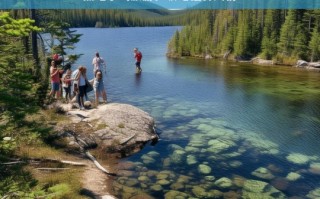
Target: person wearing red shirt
[{"x": 138, "y": 57}]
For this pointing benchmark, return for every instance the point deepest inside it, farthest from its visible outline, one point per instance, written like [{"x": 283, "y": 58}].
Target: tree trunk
[{"x": 34, "y": 44}]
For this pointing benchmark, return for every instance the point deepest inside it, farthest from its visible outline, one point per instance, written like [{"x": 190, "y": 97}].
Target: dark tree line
[
  {"x": 281, "y": 35},
  {"x": 122, "y": 18}
]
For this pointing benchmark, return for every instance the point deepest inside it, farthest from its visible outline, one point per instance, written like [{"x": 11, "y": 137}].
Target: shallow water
[{"x": 226, "y": 129}]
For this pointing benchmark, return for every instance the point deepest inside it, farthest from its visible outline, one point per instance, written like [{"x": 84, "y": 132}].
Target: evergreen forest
[
  {"x": 26, "y": 129},
  {"x": 280, "y": 35},
  {"x": 120, "y": 18}
]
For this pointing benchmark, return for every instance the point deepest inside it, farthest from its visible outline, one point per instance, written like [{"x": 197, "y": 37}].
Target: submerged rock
[
  {"x": 223, "y": 183},
  {"x": 209, "y": 178},
  {"x": 191, "y": 149},
  {"x": 255, "y": 186},
  {"x": 214, "y": 194},
  {"x": 314, "y": 193},
  {"x": 143, "y": 179},
  {"x": 178, "y": 157},
  {"x": 263, "y": 173},
  {"x": 298, "y": 158},
  {"x": 253, "y": 189},
  {"x": 199, "y": 192},
  {"x": 292, "y": 176},
  {"x": 204, "y": 169},
  {"x": 235, "y": 164},
  {"x": 153, "y": 154},
  {"x": 146, "y": 159},
  {"x": 280, "y": 183},
  {"x": 177, "y": 186},
  {"x": 175, "y": 194},
  {"x": 217, "y": 145},
  {"x": 191, "y": 159},
  {"x": 315, "y": 168},
  {"x": 163, "y": 182},
  {"x": 156, "y": 187},
  {"x": 261, "y": 143}
]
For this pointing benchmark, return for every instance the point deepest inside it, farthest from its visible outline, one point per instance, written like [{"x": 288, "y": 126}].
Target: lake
[{"x": 227, "y": 130}]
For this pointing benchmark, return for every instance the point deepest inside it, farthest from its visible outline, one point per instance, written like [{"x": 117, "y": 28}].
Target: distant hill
[
  {"x": 77, "y": 4},
  {"x": 119, "y": 18}
]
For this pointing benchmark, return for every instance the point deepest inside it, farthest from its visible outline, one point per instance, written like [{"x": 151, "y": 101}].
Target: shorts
[
  {"x": 55, "y": 86},
  {"x": 138, "y": 64},
  {"x": 98, "y": 86}
]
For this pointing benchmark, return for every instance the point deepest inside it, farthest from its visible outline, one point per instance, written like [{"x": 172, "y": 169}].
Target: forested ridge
[
  {"x": 121, "y": 18},
  {"x": 280, "y": 35}
]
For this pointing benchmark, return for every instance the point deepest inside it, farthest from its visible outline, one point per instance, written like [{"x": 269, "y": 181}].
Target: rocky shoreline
[
  {"x": 311, "y": 66},
  {"x": 113, "y": 128}
]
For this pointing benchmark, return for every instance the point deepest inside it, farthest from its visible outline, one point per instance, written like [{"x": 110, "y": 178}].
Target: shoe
[{"x": 81, "y": 108}]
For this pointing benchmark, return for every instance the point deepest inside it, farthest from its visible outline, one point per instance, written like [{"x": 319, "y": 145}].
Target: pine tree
[
  {"x": 314, "y": 44},
  {"x": 287, "y": 34},
  {"x": 269, "y": 40},
  {"x": 242, "y": 38},
  {"x": 17, "y": 88},
  {"x": 66, "y": 38},
  {"x": 301, "y": 42}
]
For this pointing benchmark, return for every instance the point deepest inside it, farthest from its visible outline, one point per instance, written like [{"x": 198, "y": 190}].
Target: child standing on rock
[
  {"x": 99, "y": 87},
  {"x": 66, "y": 84}
]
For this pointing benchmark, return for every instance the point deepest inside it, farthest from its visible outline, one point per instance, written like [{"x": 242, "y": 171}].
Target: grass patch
[
  {"x": 121, "y": 125},
  {"x": 62, "y": 184},
  {"x": 30, "y": 138}
]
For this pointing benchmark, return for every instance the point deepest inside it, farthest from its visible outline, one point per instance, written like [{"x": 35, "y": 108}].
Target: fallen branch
[
  {"x": 53, "y": 169},
  {"x": 88, "y": 154},
  {"x": 37, "y": 160},
  {"x": 67, "y": 162},
  {"x": 98, "y": 165},
  {"x": 15, "y": 162},
  {"x": 73, "y": 163}
]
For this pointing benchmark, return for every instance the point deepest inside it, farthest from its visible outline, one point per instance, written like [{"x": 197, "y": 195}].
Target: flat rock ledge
[{"x": 113, "y": 127}]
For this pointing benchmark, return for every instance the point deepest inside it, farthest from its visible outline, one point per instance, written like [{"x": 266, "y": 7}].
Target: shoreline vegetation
[
  {"x": 300, "y": 64},
  {"x": 281, "y": 37},
  {"x": 26, "y": 128}
]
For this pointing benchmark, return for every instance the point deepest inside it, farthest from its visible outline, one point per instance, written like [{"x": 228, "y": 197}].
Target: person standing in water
[
  {"x": 138, "y": 57},
  {"x": 98, "y": 63}
]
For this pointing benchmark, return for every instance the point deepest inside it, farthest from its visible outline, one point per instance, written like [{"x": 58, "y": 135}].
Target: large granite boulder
[{"x": 114, "y": 127}]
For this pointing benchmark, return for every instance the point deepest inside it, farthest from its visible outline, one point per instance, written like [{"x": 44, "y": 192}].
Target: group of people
[{"x": 76, "y": 84}]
